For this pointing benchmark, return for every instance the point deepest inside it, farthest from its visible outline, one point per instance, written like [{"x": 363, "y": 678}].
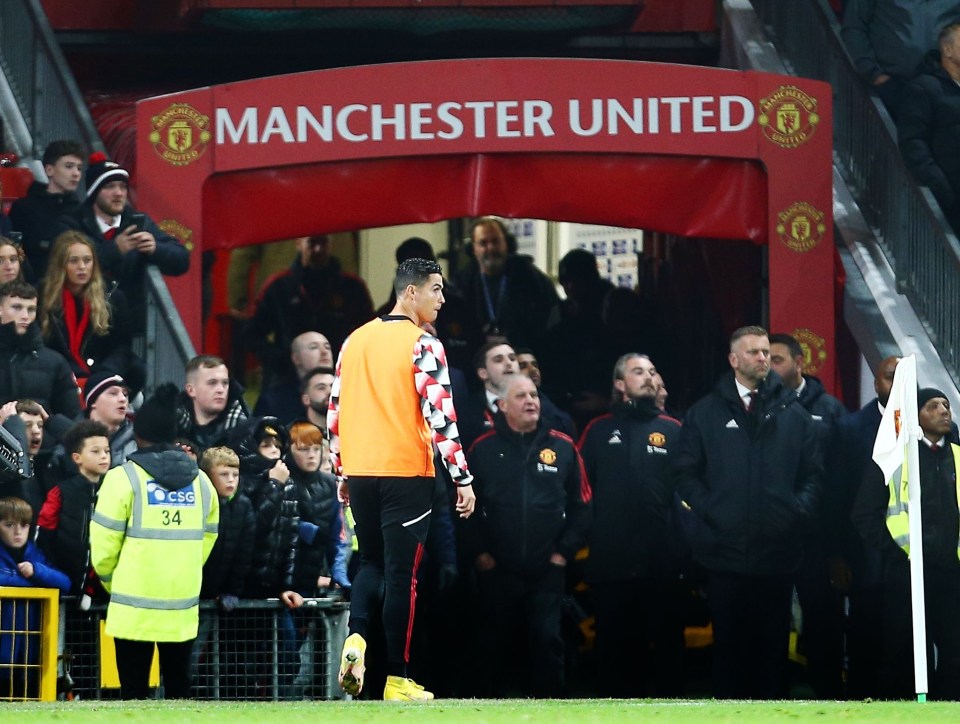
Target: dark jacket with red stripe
[
  {"x": 627, "y": 456},
  {"x": 533, "y": 497}
]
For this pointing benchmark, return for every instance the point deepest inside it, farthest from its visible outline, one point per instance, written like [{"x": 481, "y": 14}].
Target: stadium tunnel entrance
[{"x": 686, "y": 151}]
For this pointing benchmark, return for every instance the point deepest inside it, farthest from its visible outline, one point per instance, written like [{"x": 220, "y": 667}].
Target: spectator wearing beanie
[
  {"x": 124, "y": 250},
  {"x": 154, "y": 527}
]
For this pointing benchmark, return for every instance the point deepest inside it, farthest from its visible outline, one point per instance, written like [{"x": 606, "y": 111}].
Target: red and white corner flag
[
  {"x": 896, "y": 445},
  {"x": 900, "y": 418}
]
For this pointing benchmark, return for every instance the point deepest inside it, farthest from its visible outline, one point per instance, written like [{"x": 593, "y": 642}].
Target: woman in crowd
[
  {"x": 81, "y": 318},
  {"x": 11, "y": 260}
]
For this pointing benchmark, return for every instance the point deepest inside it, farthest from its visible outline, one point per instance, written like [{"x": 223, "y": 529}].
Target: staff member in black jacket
[
  {"x": 634, "y": 569},
  {"x": 534, "y": 499},
  {"x": 749, "y": 466}
]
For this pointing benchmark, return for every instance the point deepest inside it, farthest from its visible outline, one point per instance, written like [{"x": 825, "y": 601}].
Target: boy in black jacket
[{"x": 225, "y": 572}]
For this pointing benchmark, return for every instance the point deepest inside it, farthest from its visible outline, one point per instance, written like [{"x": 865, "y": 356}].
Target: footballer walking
[{"x": 391, "y": 402}]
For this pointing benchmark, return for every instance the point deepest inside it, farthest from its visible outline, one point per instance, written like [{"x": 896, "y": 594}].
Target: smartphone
[{"x": 139, "y": 221}]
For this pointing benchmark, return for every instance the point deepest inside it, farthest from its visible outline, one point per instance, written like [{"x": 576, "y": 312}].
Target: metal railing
[
  {"x": 166, "y": 346},
  {"x": 916, "y": 238},
  {"x": 44, "y": 94},
  {"x": 40, "y": 103},
  {"x": 260, "y": 651}
]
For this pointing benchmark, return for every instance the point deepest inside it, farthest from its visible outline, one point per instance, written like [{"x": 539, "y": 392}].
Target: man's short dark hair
[
  {"x": 789, "y": 341},
  {"x": 746, "y": 331},
  {"x": 17, "y": 288},
  {"x": 305, "y": 382},
  {"x": 480, "y": 358},
  {"x": 74, "y": 437},
  {"x": 58, "y": 149},
  {"x": 414, "y": 271},
  {"x": 204, "y": 361}
]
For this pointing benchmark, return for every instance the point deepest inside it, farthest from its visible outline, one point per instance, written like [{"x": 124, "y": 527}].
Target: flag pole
[{"x": 911, "y": 423}]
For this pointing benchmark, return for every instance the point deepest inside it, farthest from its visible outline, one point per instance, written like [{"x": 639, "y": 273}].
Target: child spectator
[
  {"x": 225, "y": 571},
  {"x": 64, "y": 520},
  {"x": 322, "y": 552},
  {"x": 224, "y": 575},
  {"x": 22, "y": 565},
  {"x": 265, "y": 479}
]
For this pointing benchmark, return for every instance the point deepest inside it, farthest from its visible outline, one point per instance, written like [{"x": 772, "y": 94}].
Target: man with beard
[
  {"x": 749, "y": 467},
  {"x": 126, "y": 242},
  {"x": 510, "y": 297},
  {"x": 820, "y": 601},
  {"x": 314, "y": 294},
  {"x": 282, "y": 400},
  {"x": 634, "y": 568},
  {"x": 315, "y": 395}
]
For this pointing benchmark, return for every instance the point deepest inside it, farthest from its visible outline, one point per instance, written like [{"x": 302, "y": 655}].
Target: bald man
[{"x": 282, "y": 400}]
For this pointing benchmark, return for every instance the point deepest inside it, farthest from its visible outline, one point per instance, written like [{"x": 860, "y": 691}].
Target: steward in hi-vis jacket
[{"x": 154, "y": 526}]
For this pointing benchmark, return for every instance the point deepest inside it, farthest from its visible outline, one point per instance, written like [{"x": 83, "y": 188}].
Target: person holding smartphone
[{"x": 126, "y": 240}]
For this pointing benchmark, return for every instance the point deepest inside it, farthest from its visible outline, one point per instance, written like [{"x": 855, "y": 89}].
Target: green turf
[{"x": 496, "y": 712}]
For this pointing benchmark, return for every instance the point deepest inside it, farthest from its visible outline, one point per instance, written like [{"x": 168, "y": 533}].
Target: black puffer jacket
[
  {"x": 754, "y": 494},
  {"x": 68, "y": 545},
  {"x": 318, "y": 506},
  {"x": 29, "y": 369},
  {"x": 627, "y": 456},
  {"x": 276, "y": 512},
  {"x": 225, "y": 571}
]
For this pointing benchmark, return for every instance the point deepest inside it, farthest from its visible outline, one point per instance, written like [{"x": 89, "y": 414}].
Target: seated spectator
[
  {"x": 63, "y": 523},
  {"x": 225, "y": 572},
  {"x": 282, "y": 399},
  {"x": 314, "y": 294},
  {"x": 887, "y": 39},
  {"x": 929, "y": 121},
  {"x": 22, "y": 565},
  {"x": 124, "y": 249},
  {"x": 81, "y": 319},
  {"x": 32, "y": 370},
  {"x": 11, "y": 260},
  {"x": 211, "y": 404},
  {"x": 37, "y": 215}
]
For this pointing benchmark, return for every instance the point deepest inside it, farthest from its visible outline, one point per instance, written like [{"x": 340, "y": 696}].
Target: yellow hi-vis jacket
[
  {"x": 148, "y": 544},
  {"x": 898, "y": 507}
]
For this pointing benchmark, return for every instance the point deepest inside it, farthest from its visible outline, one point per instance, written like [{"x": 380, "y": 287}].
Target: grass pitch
[{"x": 581, "y": 711}]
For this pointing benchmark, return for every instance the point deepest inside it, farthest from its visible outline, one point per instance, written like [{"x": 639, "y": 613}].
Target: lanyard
[{"x": 491, "y": 311}]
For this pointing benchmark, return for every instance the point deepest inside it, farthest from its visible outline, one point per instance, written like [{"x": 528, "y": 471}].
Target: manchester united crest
[
  {"x": 657, "y": 439},
  {"x": 788, "y": 116},
  {"x": 180, "y": 134},
  {"x": 801, "y": 226},
  {"x": 814, "y": 350},
  {"x": 548, "y": 456}
]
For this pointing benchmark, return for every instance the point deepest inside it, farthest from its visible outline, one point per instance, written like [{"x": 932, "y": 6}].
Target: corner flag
[{"x": 896, "y": 446}]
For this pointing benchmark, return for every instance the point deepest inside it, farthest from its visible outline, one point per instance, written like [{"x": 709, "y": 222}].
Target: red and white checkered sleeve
[{"x": 432, "y": 377}]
